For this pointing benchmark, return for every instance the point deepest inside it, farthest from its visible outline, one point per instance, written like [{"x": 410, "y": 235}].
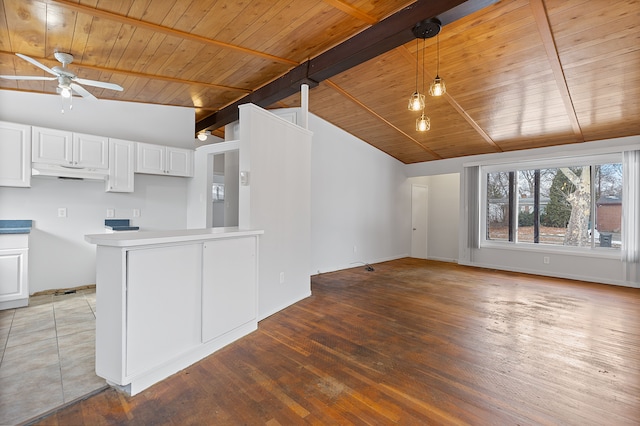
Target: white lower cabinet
[
  {"x": 14, "y": 266},
  {"x": 163, "y": 313},
  {"x": 166, "y": 302},
  {"x": 228, "y": 291}
]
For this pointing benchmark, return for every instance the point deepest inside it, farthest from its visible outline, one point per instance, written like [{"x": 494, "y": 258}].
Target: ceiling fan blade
[
  {"x": 81, "y": 91},
  {"x": 36, "y": 63},
  {"x": 27, "y": 77},
  {"x": 102, "y": 84}
]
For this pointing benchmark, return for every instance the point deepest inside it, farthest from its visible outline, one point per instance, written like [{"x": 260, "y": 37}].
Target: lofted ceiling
[{"x": 519, "y": 73}]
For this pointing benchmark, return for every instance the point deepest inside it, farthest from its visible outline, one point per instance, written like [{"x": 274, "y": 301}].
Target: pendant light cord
[
  {"x": 423, "y": 89},
  {"x": 438, "y": 56},
  {"x": 417, "y": 48}
]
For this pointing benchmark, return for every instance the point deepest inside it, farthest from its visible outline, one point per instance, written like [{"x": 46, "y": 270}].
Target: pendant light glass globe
[
  {"x": 423, "y": 123},
  {"x": 416, "y": 102},
  {"x": 437, "y": 88}
]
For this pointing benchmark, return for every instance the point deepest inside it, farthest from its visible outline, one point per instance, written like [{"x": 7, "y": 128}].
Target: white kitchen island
[{"x": 166, "y": 299}]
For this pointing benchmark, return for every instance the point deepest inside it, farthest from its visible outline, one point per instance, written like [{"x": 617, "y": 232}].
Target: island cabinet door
[
  {"x": 229, "y": 285},
  {"x": 163, "y": 305}
]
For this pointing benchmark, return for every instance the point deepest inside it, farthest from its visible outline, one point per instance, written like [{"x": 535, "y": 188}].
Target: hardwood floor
[{"x": 413, "y": 342}]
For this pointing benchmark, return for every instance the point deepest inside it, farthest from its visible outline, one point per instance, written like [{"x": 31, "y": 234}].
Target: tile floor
[{"x": 47, "y": 355}]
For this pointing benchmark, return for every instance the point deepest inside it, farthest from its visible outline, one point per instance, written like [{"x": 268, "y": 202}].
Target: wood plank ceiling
[{"x": 519, "y": 73}]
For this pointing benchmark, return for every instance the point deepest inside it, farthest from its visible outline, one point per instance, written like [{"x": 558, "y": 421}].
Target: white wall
[
  {"x": 276, "y": 154},
  {"x": 162, "y": 125},
  {"x": 360, "y": 198},
  {"x": 443, "y": 215},
  {"x": 58, "y": 255}
]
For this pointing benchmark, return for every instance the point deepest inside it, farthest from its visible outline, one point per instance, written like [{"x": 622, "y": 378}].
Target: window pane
[
  {"x": 608, "y": 214},
  {"x": 526, "y": 192},
  {"x": 576, "y": 188},
  {"x": 498, "y": 206},
  {"x": 555, "y": 189}
]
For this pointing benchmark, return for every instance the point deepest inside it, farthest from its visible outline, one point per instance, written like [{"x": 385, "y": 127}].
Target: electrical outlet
[
  {"x": 355, "y": 249},
  {"x": 111, "y": 213},
  {"x": 281, "y": 277},
  {"x": 62, "y": 212},
  {"x": 136, "y": 212},
  {"x": 546, "y": 260}
]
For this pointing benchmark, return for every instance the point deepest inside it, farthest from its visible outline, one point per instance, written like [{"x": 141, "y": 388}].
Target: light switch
[
  {"x": 244, "y": 178},
  {"x": 136, "y": 212},
  {"x": 111, "y": 213}
]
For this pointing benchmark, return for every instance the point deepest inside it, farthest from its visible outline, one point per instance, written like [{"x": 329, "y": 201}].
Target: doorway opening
[{"x": 225, "y": 181}]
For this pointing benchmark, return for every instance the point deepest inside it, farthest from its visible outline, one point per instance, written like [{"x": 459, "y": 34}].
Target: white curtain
[
  {"x": 631, "y": 206},
  {"x": 469, "y": 237}
]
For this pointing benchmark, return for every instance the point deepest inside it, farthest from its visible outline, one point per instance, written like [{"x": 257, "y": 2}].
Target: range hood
[{"x": 56, "y": 170}]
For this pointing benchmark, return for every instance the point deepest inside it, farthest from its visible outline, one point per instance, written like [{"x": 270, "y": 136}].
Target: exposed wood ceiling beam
[
  {"x": 542, "y": 21},
  {"x": 266, "y": 95},
  {"x": 137, "y": 74},
  {"x": 379, "y": 117},
  {"x": 388, "y": 34},
  {"x": 165, "y": 30},
  {"x": 350, "y": 10},
  {"x": 447, "y": 96}
]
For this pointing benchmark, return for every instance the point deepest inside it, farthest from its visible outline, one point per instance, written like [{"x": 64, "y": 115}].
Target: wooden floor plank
[{"x": 413, "y": 342}]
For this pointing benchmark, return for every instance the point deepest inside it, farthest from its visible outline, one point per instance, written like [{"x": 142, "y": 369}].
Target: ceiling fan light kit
[
  {"x": 68, "y": 82},
  {"x": 424, "y": 30},
  {"x": 202, "y": 136}
]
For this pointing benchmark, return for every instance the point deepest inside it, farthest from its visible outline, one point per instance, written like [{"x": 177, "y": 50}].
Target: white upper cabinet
[
  {"x": 15, "y": 154},
  {"x": 179, "y": 162},
  {"x": 121, "y": 164},
  {"x": 164, "y": 160},
  {"x": 51, "y": 146},
  {"x": 91, "y": 151}
]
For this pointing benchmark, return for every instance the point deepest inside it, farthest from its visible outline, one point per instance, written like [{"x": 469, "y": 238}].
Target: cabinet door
[
  {"x": 163, "y": 305},
  {"x": 150, "y": 158},
  {"x": 229, "y": 285},
  {"x": 179, "y": 162},
  {"x": 90, "y": 151},
  {"x": 13, "y": 275},
  {"x": 52, "y": 146},
  {"x": 121, "y": 155},
  {"x": 15, "y": 154}
]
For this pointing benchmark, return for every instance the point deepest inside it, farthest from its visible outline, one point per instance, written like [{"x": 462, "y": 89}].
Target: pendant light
[
  {"x": 423, "y": 123},
  {"x": 416, "y": 101},
  {"x": 437, "y": 87},
  {"x": 424, "y": 30}
]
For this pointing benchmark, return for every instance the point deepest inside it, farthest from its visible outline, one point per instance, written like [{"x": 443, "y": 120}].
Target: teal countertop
[{"x": 15, "y": 226}]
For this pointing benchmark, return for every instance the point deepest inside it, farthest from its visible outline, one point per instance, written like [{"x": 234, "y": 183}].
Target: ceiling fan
[{"x": 68, "y": 82}]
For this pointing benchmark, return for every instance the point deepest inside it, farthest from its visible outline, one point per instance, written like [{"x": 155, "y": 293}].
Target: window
[{"x": 575, "y": 202}]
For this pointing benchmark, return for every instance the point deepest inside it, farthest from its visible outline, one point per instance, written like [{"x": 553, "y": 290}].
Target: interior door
[{"x": 419, "y": 221}]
